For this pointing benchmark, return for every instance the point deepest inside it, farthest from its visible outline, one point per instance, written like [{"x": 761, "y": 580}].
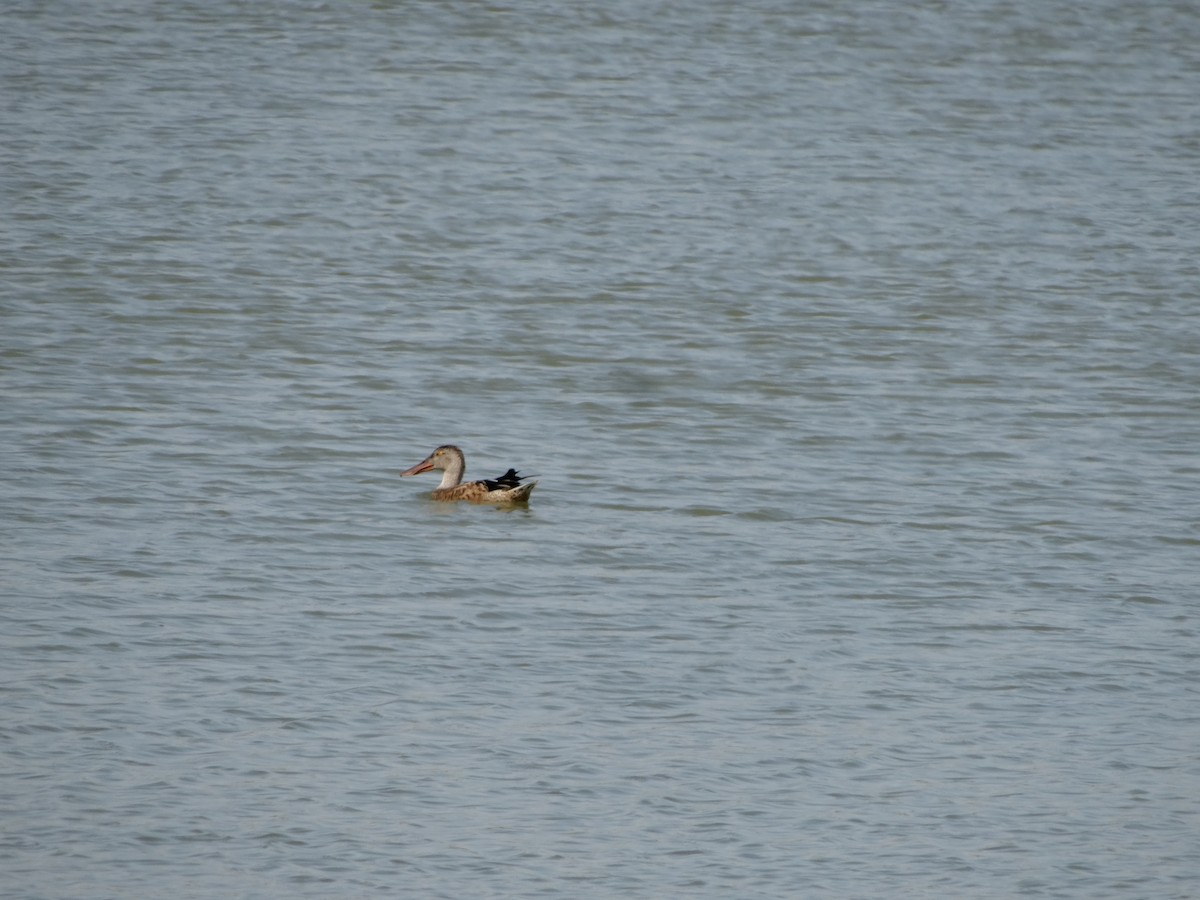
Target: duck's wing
[{"x": 507, "y": 481}]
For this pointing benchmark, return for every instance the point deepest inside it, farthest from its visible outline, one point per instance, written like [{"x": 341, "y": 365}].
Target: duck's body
[{"x": 507, "y": 488}]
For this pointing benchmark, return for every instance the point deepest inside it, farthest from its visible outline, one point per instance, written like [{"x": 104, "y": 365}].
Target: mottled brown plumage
[{"x": 507, "y": 488}]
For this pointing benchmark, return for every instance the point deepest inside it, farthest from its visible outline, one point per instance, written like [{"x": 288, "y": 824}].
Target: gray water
[{"x": 856, "y": 346}]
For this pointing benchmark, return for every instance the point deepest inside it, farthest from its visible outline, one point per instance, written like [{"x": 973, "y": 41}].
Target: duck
[{"x": 510, "y": 487}]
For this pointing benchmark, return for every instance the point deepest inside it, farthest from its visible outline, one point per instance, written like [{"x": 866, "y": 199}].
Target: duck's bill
[{"x": 423, "y": 466}]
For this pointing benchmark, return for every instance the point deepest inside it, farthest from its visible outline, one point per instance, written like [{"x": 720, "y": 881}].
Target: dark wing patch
[{"x": 507, "y": 481}]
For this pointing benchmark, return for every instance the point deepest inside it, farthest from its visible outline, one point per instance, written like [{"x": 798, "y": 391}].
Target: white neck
[{"x": 453, "y": 473}]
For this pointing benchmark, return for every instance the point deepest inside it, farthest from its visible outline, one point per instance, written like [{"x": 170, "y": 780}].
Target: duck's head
[{"x": 445, "y": 457}]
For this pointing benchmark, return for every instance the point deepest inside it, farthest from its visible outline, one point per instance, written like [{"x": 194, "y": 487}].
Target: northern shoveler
[{"x": 505, "y": 489}]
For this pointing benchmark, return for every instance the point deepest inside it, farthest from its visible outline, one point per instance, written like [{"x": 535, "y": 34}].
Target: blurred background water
[{"x": 856, "y": 345}]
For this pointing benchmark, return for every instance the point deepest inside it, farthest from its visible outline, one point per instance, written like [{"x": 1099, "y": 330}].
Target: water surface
[{"x": 856, "y": 348}]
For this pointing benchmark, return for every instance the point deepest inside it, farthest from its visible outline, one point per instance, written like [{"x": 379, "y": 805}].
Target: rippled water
[{"x": 857, "y": 348}]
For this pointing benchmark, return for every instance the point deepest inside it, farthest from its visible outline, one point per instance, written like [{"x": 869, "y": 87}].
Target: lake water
[{"x": 856, "y": 346}]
